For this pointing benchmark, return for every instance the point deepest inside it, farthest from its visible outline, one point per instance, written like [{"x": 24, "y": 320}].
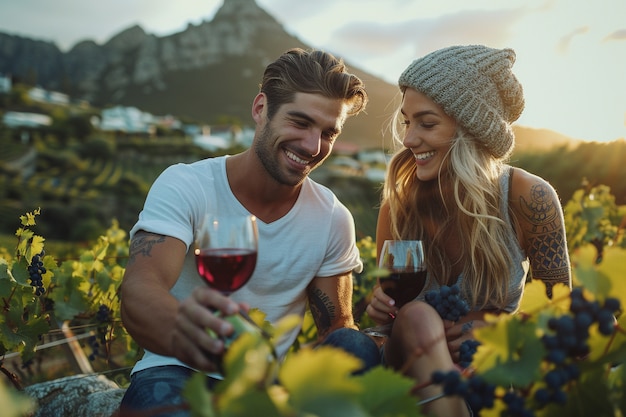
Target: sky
[{"x": 571, "y": 54}]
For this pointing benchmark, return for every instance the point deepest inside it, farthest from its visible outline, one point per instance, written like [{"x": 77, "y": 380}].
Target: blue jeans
[
  {"x": 160, "y": 387},
  {"x": 357, "y": 344}
]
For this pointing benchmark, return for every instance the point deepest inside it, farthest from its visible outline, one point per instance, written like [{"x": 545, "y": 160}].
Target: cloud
[
  {"x": 564, "y": 43},
  {"x": 492, "y": 27},
  {"x": 618, "y": 35}
]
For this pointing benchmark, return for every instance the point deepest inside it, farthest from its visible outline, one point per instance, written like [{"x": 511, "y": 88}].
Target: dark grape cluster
[
  {"x": 95, "y": 345},
  {"x": 603, "y": 314},
  {"x": 570, "y": 341},
  {"x": 103, "y": 315},
  {"x": 474, "y": 390},
  {"x": 448, "y": 302},
  {"x": 571, "y": 332},
  {"x": 555, "y": 380},
  {"x": 466, "y": 352},
  {"x": 35, "y": 271},
  {"x": 516, "y": 406},
  {"x": 96, "y": 342}
]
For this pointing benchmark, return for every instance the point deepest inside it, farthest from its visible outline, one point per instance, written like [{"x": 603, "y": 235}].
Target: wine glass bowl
[
  {"x": 226, "y": 251},
  {"x": 405, "y": 264}
]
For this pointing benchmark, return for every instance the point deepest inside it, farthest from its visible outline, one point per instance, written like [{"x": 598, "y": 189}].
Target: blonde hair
[{"x": 465, "y": 198}]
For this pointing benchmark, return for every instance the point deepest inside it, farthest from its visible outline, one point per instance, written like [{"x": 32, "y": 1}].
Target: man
[{"x": 307, "y": 249}]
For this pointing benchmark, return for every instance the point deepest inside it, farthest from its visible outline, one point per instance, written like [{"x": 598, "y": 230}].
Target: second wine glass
[{"x": 404, "y": 261}]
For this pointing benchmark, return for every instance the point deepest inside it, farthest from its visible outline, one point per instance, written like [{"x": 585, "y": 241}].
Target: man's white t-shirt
[{"x": 316, "y": 238}]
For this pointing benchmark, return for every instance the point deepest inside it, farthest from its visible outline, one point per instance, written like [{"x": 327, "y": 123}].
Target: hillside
[
  {"x": 531, "y": 139},
  {"x": 206, "y": 72}
]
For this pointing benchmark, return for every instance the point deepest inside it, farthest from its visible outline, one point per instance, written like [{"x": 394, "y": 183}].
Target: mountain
[
  {"x": 205, "y": 73},
  {"x": 208, "y": 71}
]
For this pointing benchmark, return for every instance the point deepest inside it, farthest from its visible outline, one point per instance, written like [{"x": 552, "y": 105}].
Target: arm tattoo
[
  {"x": 322, "y": 309},
  {"x": 142, "y": 244},
  {"x": 547, "y": 245}
]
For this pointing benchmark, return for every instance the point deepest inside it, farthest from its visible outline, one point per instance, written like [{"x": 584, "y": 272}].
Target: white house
[
  {"x": 5, "y": 84},
  {"x": 21, "y": 119},
  {"x": 126, "y": 119},
  {"x": 45, "y": 96}
]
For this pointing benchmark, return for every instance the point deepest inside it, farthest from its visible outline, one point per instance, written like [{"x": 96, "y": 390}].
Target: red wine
[
  {"x": 226, "y": 269},
  {"x": 402, "y": 285}
]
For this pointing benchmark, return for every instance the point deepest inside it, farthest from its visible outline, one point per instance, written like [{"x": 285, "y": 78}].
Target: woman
[{"x": 483, "y": 223}]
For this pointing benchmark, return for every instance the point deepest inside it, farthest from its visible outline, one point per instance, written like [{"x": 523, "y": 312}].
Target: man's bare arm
[
  {"x": 155, "y": 262},
  {"x": 330, "y": 301}
]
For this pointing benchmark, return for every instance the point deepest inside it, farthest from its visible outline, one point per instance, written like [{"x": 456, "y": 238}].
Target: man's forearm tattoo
[
  {"x": 547, "y": 242},
  {"x": 322, "y": 309},
  {"x": 142, "y": 244}
]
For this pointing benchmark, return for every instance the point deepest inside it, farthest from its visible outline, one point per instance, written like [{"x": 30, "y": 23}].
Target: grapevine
[
  {"x": 512, "y": 368},
  {"x": 39, "y": 293},
  {"x": 566, "y": 346}
]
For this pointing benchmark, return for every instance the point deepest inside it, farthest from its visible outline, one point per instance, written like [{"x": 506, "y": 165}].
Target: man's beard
[{"x": 269, "y": 160}]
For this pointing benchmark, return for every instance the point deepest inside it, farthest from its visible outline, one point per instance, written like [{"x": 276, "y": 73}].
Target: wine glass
[
  {"x": 226, "y": 251},
  {"x": 403, "y": 276},
  {"x": 405, "y": 264}
]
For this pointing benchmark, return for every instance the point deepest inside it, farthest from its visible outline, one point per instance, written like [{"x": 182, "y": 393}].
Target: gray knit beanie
[{"x": 473, "y": 84}]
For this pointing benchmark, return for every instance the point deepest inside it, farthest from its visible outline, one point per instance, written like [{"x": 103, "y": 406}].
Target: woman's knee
[{"x": 420, "y": 319}]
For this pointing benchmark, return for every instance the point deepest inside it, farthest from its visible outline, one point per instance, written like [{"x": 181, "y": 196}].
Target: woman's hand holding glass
[{"x": 403, "y": 275}]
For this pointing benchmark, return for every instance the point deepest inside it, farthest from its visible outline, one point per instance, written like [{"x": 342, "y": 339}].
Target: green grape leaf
[
  {"x": 200, "y": 399},
  {"x": 24, "y": 236},
  {"x": 247, "y": 359},
  {"x": 614, "y": 268},
  {"x": 15, "y": 404},
  {"x": 69, "y": 295},
  {"x": 29, "y": 218},
  {"x": 387, "y": 393},
  {"x": 35, "y": 247},
  {"x": 50, "y": 264},
  {"x": 90, "y": 262},
  {"x": 619, "y": 377},
  {"x": 510, "y": 352},
  {"x": 23, "y": 336},
  {"x": 104, "y": 281},
  {"x": 605, "y": 279},
  {"x": 319, "y": 381},
  {"x": 30, "y": 332},
  {"x": 19, "y": 271},
  {"x": 589, "y": 396},
  {"x": 536, "y": 299},
  {"x": 250, "y": 403},
  {"x": 6, "y": 280},
  {"x": 283, "y": 325}
]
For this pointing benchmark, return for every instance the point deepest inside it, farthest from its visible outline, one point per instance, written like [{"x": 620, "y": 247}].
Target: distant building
[
  {"x": 14, "y": 119},
  {"x": 126, "y": 119},
  {"x": 51, "y": 97},
  {"x": 133, "y": 120},
  {"x": 5, "y": 84},
  {"x": 207, "y": 139},
  {"x": 220, "y": 137}
]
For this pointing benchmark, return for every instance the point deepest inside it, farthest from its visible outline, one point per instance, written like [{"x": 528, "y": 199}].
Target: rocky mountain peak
[
  {"x": 130, "y": 38},
  {"x": 206, "y": 72}
]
